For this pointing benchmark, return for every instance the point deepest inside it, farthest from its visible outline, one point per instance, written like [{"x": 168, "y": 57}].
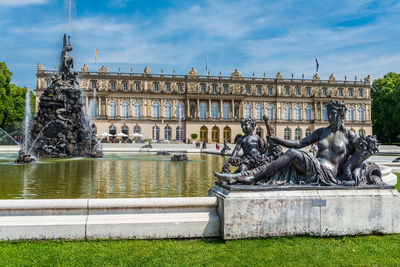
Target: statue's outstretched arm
[
  {"x": 312, "y": 138},
  {"x": 237, "y": 149}
]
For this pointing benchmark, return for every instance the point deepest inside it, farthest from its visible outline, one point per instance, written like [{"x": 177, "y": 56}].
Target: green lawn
[{"x": 369, "y": 250}]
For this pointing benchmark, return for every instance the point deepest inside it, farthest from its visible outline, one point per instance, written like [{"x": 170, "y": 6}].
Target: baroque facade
[{"x": 172, "y": 107}]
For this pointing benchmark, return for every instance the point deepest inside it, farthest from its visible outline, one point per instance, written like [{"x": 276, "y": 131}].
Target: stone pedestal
[{"x": 257, "y": 211}]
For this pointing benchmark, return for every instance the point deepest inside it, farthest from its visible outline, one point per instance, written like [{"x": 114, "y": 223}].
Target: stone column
[
  {"x": 209, "y": 108},
  {"x": 99, "y": 109},
  {"x": 187, "y": 109},
  {"x": 221, "y": 103},
  {"x": 233, "y": 109},
  {"x": 198, "y": 108},
  {"x": 118, "y": 107},
  {"x": 253, "y": 110},
  {"x": 174, "y": 109},
  {"x": 320, "y": 115},
  {"x": 148, "y": 108},
  {"x": 162, "y": 103}
]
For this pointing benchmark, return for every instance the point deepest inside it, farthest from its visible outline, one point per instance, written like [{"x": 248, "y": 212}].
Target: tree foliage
[
  {"x": 12, "y": 102},
  {"x": 385, "y": 94}
]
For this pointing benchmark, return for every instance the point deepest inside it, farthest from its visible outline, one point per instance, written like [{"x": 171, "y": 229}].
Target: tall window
[
  {"x": 167, "y": 133},
  {"x": 360, "y": 114},
  {"x": 112, "y": 109},
  {"x": 297, "y": 91},
  {"x": 203, "y": 110},
  {"x": 125, "y": 129},
  {"x": 167, "y": 110},
  {"x": 168, "y": 87},
  {"x": 247, "y": 111},
  {"x": 226, "y": 88},
  {"x": 93, "y": 108},
  {"x": 287, "y": 133},
  {"x": 156, "y": 110},
  {"x": 155, "y": 132},
  {"x": 308, "y": 132},
  {"x": 137, "y": 108},
  {"x": 351, "y": 114},
  {"x": 297, "y": 134},
  {"x": 226, "y": 110},
  {"x": 180, "y": 87},
  {"x": 308, "y": 113},
  {"x": 155, "y": 85},
  {"x": 297, "y": 113},
  {"x": 203, "y": 88},
  {"x": 308, "y": 91},
  {"x": 125, "y": 86},
  {"x": 324, "y": 114},
  {"x": 179, "y": 110},
  {"x": 112, "y": 86},
  {"x": 112, "y": 130},
  {"x": 270, "y": 110},
  {"x": 137, "y": 86},
  {"x": 361, "y": 93},
  {"x": 259, "y": 112},
  {"x": 259, "y": 90},
  {"x": 324, "y": 92},
  {"x": 351, "y": 92},
  {"x": 287, "y": 114},
  {"x": 214, "y": 110},
  {"x": 248, "y": 89},
  {"x": 137, "y": 129},
  {"x": 270, "y": 90},
  {"x": 361, "y": 132},
  {"x": 287, "y": 91},
  {"x": 93, "y": 84},
  {"x": 340, "y": 92},
  {"x": 125, "y": 109},
  {"x": 179, "y": 133},
  {"x": 214, "y": 88}
]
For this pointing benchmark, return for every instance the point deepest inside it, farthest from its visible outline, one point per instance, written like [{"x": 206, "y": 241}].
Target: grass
[
  {"x": 293, "y": 251},
  {"x": 371, "y": 250}
]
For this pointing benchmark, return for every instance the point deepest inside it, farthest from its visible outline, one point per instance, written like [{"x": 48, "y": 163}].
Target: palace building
[{"x": 173, "y": 107}]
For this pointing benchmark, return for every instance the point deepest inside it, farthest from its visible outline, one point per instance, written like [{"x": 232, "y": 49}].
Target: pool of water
[{"x": 114, "y": 176}]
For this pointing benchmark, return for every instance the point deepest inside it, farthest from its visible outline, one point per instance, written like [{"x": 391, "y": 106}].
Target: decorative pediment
[
  {"x": 192, "y": 87},
  {"x": 236, "y": 74}
]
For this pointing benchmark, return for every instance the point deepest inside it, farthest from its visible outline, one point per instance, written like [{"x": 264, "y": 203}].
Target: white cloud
[{"x": 19, "y": 3}]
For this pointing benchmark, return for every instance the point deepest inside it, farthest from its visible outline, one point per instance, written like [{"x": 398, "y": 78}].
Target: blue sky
[{"x": 353, "y": 38}]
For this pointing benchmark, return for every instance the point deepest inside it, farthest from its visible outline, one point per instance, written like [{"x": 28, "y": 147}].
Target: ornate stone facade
[{"x": 210, "y": 106}]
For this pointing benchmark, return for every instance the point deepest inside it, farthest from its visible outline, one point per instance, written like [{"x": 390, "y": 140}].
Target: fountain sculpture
[{"x": 60, "y": 129}]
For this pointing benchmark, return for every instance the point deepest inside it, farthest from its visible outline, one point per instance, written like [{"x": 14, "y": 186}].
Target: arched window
[
  {"x": 360, "y": 114},
  {"x": 259, "y": 132},
  {"x": 259, "y": 112},
  {"x": 179, "y": 110},
  {"x": 112, "y": 109},
  {"x": 203, "y": 110},
  {"x": 214, "y": 110},
  {"x": 125, "y": 129},
  {"x": 203, "y": 134},
  {"x": 137, "y": 110},
  {"x": 308, "y": 113},
  {"x": 93, "y": 108},
  {"x": 226, "y": 110},
  {"x": 297, "y": 134},
  {"x": 287, "y": 114},
  {"x": 297, "y": 113},
  {"x": 324, "y": 114},
  {"x": 247, "y": 111},
  {"x": 137, "y": 129},
  {"x": 270, "y": 110},
  {"x": 156, "y": 111},
  {"x": 167, "y": 111},
  {"x": 287, "y": 133},
  {"x": 156, "y": 132},
  {"x": 351, "y": 114},
  {"x": 308, "y": 132},
  {"x": 179, "y": 133},
  {"x": 167, "y": 133},
  {"x": 125, "y": 109},
  {"x": 361, "y": 132},
  {"x": 112, "y": 130}
]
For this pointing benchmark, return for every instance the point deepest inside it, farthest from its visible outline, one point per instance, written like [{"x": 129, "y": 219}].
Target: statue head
[
  {"x": 248, "y": 125},
  {"x": 336, "y": 114}
]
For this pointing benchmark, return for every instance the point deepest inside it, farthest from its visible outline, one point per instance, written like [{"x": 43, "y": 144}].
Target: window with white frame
[
  {"x": 351, "y": 92},
  {"x": 167, "y": 110},
  {"x": 137, "y": 129},
  {"x": 287, "y": 112},
  {"x": 308, "y": 113},
  {"x": 297, "y": 113},
  {"x": 125, "y": 86},
  {"x": 340, "y": 92},
  {"x": 287, "y": 133},
  {"x": 308, "y": 132},
  {"x": 167, "y": 133},
  {"x": 324, "y": 93},
  {"x": 324, "y": 114},
  {"x": 137, "y": 110},
  {"x": 156, "y": 110},
  {"x": 259, "y": 112},
  {"x": 125, "y": 109},
  {"x": 287, "y": 91},
  {"x": 270, "y": 90},
  {"x": 112, "y": 109},
  {"x": 179, "y": 110},
  {"x": 214, "y": 88},
  {"x": 360, "y": 93},
  {"x": 360, "y": 114},
  {"x": 308, "y": 91},
  {"x": 214, "y": 110},
  {"x": 226, "y": 89},
  {"x": 179, "y": 133},
  {"x": 203, "y": 110},
  {"x": 270, "y": 110},
  {"x": 168, "y": 87},
  {"x": 112, "y": 86},
  {"x": 361, "y": 132},
  {"x": 180, "y": 87},
  {"x": 93, "y": 84},
  {"x": 259, "y": 90},
  {"x": 297, "y": 134},
  {"x": 155, "y": 132},
  {"x": 247, "y": 111},
  {"x": 137, "y": 86},
  {"x": 203, "y": 88},
  {"x": 248, "y": 89},
  {"x": 93, "y": 108},
  {"x": 155, "y": 86},
  {"x": 226, "y": 110},
  {"x": 350, "y": 114},
  {"x": 298, "y": 91}
]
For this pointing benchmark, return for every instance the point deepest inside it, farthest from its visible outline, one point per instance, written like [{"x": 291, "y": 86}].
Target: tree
[
  {"x": 385, "y": 113},
  {"x": 194, "y": 136},
  {"x": 12, "y": 102}
]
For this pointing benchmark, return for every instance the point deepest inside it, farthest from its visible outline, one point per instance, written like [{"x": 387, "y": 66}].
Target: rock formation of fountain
[{"x": 60, "y": 129}]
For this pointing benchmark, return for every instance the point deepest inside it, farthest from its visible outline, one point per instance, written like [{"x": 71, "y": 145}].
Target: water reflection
[{"x": 115, "y": 176}]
